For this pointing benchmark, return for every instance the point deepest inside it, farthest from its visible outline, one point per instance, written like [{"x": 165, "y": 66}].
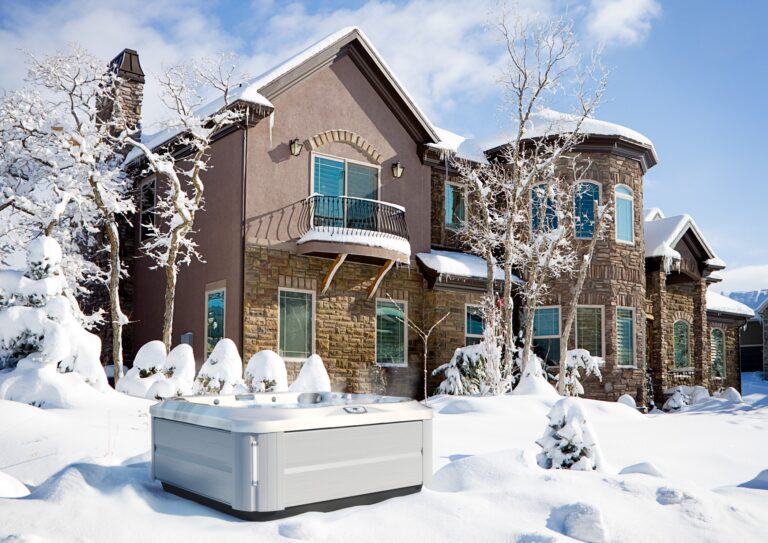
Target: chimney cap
[{"x": 126, "y": 65}]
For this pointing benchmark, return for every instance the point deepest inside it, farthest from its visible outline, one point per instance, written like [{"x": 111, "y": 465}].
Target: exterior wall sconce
[
  {"x": 397, "y": 170},
  {"x": 296, "y": 146}
]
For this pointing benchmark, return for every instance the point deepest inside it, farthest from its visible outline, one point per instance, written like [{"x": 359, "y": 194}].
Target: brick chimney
[{"x": 130, "y": 87}]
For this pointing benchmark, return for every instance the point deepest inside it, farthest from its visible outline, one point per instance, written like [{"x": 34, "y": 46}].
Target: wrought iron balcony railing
[{"x": 349, "y": 215}]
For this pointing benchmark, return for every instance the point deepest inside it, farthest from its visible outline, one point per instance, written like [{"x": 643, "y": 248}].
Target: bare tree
[
  {"x": 170, "y": 242},
  {"x": 602, "y": 217},
  {"x": 424, "y": 334},
  {"x": 542, "y": 61}
]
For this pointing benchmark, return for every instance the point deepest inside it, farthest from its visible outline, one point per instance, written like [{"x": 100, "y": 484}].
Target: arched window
[
  {"x": 587, "y": 194},
  {"x": 681, "y": 338},
  {"x": 717, "y": 352},
  {"x": 625, "y": 214},
  {"x": 538, "y": 193}
]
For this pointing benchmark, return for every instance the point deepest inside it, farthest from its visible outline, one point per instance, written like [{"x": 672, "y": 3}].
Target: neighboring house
[
  {"x": 752, "y": 357},
  {"x": 331, "y": 213}
]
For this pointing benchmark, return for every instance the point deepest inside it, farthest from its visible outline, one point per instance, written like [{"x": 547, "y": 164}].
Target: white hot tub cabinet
[{"x": 265, "y": 456}]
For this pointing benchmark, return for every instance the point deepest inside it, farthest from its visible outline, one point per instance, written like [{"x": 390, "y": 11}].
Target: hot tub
[{"x": 265, "y": 456}]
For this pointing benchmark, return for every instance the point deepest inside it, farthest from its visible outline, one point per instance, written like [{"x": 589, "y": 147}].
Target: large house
[{"x": 331, "y": 212}]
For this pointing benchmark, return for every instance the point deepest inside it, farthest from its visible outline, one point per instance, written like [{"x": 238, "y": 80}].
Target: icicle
[{"x": 271, "y": 126}]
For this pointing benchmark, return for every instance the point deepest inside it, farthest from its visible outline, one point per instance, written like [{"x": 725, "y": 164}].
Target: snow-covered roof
[
  {"x": 460, "y": 264},
  {"x": 251, "y": 91},
  {"x": 460, "y": 146},
  {"x": 661, "y": 236},
  {"x": 724, "y": 304},
  {"x": 652, "y": 213}
]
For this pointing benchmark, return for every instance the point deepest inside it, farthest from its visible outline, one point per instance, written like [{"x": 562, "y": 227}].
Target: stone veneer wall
[
  {"x": 616, "y": 279},
  {"x": 345, "y": 319},
  {"x": 732, "y": 358}
]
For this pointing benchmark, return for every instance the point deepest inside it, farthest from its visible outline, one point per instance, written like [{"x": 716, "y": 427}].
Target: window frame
[
  {"x": 151, "y": 179},
  {"x": 313, "y": 344},
  {"x": 711, "y": 361},
  {"x": 466, "y": 331},
  {"x": 463, "y": 190},
  {"x": 346, "y": 161},
  {"x": 634, "y": 337},
  {"x": 631, "y": 198},
  {"x": 404, "y": 364},
  {"x": 559, "y": 326},
  {"x": 556, "y": 220},
  {"x": 208, "y": 291},
  {"x": 602, "y": 327},
  {"x": 599, "y": 198},
  {"x": 688, "y": 327}
]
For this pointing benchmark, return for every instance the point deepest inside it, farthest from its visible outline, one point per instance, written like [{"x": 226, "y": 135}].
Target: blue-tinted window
[
  {"x": 537, "y": 196},
  {"x": 474, "y": 325},
  {"x": 625, "y": 331},
  {"x": 454, "y": 206},
  {"x": 625, "y": 215},
  {"x": 214, "y": 319},
  {"x": 546, "y": 334},
  {"x": 584, "y": 208}
]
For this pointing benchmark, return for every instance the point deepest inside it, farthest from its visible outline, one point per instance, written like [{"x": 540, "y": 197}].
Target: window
[
  {"x": 587, "y": 195},
  {"x": 391, "y": 337},
  {"x": 589, "y": 329},
  {"x": 296, "y": 323},
  {"x": 625, "y": 333},
  {"x": 546, "y": 334},
  {"x": 336, "y": 177},
  {"x": 215, "y": 305},
  {"x": 454, "y": 206},
  {"x": 538, "y": 193},
  {"x": 625, "y": 214},
  {"x": 717, "y": 352},
  {"x": 681, "y": 335},
  {"x": 473, "y": 325},
  {"x": 147, "y": 205}
]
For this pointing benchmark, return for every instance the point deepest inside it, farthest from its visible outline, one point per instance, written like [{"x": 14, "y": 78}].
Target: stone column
[
  {"x": 701, "y": 361},
  {"x": 657, "y": 289}
]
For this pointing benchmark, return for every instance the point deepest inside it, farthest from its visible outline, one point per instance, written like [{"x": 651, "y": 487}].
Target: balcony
[{"x": 366, "y": 230}]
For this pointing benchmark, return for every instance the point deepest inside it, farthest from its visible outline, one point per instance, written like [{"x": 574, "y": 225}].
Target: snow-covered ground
[{"x": 87, "y": 472}]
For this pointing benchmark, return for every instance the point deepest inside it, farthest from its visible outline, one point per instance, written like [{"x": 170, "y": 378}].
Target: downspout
[{"x": 243, "y": 192}]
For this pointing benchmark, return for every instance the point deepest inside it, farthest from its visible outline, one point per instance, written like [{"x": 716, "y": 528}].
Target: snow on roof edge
[
  {"x": 724, "y": 304},
  {"x": 676, "y": 226}
]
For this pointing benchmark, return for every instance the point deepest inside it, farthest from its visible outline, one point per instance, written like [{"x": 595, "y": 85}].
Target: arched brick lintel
[{"x": 346, "y": 136}]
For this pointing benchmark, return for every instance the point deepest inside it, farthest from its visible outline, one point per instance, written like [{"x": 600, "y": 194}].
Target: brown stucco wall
[
  {"x": 336, "y": 97},
  {"x": 218, "y": 235}
]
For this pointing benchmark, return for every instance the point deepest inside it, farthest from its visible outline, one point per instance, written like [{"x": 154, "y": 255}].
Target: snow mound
[
  {"x": 498, "y": 470},
  {"x": 313, "y": 377},
  {"x": 699, "y": 394},
  {"x": 760, "y": 481},
  {"x": 10, "y": 487},
  {"x": 179, "y": 373},
  {"x": 646, "y": 468},
  {"x": 305, "y": 530},
  {"x": 627, "y": 400},
  {"x": 222, "y": 372},
  {"x": 147, "y": 370},
  {"x": 581, "y": 521},
  {"x": 25, "y": 538},
  {"x": 267, "y": 368},
  {"x": 535, "y": 385},
  {"x": 44, "y": 386},
  {"x": 671, "y": 496},
  {"x": 43, "y": 253},
  {"x": 151, "y": 357}
]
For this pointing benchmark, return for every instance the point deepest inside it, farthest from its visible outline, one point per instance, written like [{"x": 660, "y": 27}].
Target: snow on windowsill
[{"x": 358, "y": 237}]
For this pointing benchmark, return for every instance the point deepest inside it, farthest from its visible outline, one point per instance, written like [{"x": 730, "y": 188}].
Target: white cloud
[
  {"x": 745, "y": 278},
  {"x": 622, "y": 22}
]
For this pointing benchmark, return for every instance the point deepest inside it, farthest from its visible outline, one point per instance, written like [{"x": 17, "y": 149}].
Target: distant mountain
[{"x": 752, "y": 298}]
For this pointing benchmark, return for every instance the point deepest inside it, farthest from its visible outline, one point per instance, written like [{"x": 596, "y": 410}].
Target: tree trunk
[{"x": 116, "y": 311}]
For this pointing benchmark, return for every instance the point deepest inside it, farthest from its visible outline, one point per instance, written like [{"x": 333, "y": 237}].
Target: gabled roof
[
  {"x": 662, "y": 235},
  {"x": 266, "y": 86},
  {"x": 762, "y": 307},
  {"x": 652, "y": 213}
]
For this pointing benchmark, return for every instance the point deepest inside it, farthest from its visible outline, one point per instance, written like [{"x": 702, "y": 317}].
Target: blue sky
[{"x": 687, "y": 74}]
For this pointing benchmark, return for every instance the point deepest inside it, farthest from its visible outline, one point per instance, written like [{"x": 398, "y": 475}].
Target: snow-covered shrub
[
  {"x": 627, "y": 400},
  {"x": 699, "y": 394},
  {"x": 266, "y": 372},
  {"x": 679, "y": 399},
  {"x": 465, "y": 373},
  {"x": 313, "y": 377},
  {"x": 222, "y": 372},
  {"x": 569, "y": 441},
  {"x": 37, "y": 323},
  {"x": 146, "y": 371},
  {"x": 729, "y": 394},
  {"x": 178, "y": 372},
  {"x": 575, "y": 360}
]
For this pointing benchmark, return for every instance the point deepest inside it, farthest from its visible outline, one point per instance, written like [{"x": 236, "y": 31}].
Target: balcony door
[{"x": 349, "y": 191}]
